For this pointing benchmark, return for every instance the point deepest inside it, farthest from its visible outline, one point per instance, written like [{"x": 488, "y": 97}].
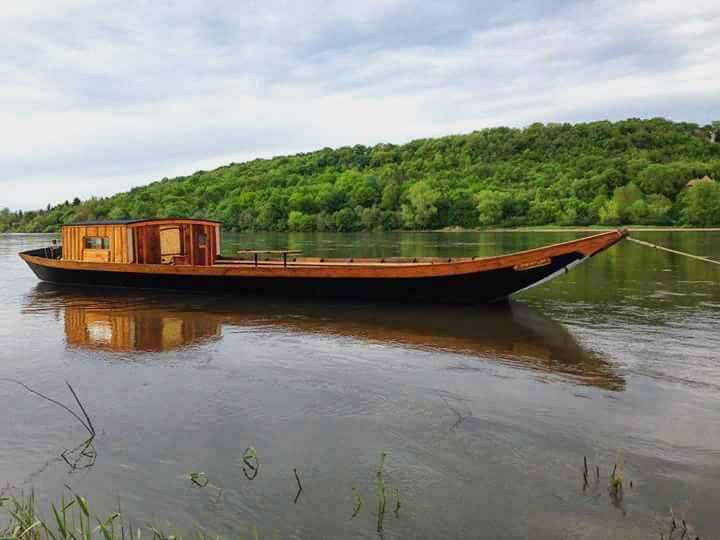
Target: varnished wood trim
[
  {"x": 96, "y": 255},
  {"x": 172, "y": 222},
  {"x": 141, "y": 223},
  {"x": 532, "y": 264}
]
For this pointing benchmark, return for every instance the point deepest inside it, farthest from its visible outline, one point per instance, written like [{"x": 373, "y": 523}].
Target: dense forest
[{"x": 652, "y": 172}]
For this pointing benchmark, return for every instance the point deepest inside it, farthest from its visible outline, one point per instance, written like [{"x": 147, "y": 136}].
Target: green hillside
[{"x": 633, "y": 171}]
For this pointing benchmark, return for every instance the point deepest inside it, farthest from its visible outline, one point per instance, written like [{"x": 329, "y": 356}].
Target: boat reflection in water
[
  {"x": 117, "y": 322},
  {"x": 132, "y": 320},
  {"x": 147, "y": 330}
]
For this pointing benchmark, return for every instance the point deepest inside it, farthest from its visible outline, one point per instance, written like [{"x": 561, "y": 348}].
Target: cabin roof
[{"x": 134, "y": 221}]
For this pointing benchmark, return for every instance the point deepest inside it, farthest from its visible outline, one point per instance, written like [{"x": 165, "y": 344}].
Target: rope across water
[{"x": 648, "y": 244}]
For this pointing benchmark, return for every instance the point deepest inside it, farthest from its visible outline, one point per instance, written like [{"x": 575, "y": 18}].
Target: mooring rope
[{"x": 648, "y": 244}]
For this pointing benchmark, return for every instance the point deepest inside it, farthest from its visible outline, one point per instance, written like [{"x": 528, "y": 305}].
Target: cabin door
[
  {"x": 170, "y": 243},
  {"x": 200, "y": 239}
]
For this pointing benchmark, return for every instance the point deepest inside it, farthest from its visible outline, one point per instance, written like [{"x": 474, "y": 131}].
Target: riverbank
[
  {"x": 540, "y": 228},
  {"x": 73, "y": 519},
  {"x": 573, "y": 228}
]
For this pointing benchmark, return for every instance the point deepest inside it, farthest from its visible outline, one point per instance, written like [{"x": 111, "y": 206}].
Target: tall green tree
[
  {"x": 420, "y": 207},
  {"x": 702, "y": 205}
]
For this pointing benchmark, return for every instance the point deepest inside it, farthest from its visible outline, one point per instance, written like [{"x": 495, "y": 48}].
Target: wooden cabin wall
[
  {"x": 203, "y": 256},
  {"x": 214, "y": 242},
  {"x": 74, "y": 241},
  {"x": 146, "y": 244},
  {"x": 138, "y": 245},
  {"x": 71, "y": 246},
  {"x": 198, "y": 257},
  {"x": 211, "y": 231},
  {"x": 152, "y": 245},
  {"x": 188, "y": 243}
]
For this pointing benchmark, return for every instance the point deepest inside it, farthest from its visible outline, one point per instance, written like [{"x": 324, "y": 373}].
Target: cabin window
[
  {"x": 202, "y": 240},
  {"x": 170, "y": 243},
  {"x": 97, "y": 242}
]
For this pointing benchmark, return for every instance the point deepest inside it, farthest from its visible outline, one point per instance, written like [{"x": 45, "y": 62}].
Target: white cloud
[{"x": 98, "y": 97}]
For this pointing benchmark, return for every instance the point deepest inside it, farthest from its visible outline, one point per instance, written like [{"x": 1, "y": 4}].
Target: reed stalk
[
  {"x": 300, "y": 488},
  {"x": 86, "y": 423},
  {"x": 357, "y": 503}
]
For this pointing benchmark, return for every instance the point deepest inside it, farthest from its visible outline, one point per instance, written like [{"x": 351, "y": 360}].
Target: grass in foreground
[{"x": 72, "y": 520}]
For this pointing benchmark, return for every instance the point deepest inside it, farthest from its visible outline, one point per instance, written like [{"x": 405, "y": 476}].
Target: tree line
[{"x": 648, "y": 172}]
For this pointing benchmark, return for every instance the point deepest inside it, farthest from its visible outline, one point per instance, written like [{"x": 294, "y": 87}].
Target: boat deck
[{"x": 301, "y": 262}]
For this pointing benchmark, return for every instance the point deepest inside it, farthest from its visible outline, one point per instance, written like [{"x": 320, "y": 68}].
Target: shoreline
[
  {"x": 451, "y": 230},
  {"x": 584, "y": 229},
  {"x": 571, "y": 228}
]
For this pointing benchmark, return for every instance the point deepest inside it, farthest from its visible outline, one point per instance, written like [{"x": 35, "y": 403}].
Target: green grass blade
[
  {"x": 60, "y": 520},
  {"x": 83, "y": 504}
]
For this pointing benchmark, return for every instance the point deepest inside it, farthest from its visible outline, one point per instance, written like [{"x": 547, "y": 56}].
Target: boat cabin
[{"x": 143, "y": 241}]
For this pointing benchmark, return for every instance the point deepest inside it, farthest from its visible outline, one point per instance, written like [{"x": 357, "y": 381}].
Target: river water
[{"x": 485, "y": 413}]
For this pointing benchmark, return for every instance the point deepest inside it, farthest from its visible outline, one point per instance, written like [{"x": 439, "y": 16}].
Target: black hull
[{"x": 479, "y": 287}]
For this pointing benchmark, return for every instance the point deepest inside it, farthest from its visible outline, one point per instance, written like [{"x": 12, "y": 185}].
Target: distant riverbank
[
  {"x": 557, "y": 228},
  {"x": 542, "y": 228}
]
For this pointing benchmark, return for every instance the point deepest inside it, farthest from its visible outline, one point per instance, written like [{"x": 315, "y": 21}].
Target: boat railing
[
  {"x": 273, "y": 257},
  {"x": 270, "y": 252}
]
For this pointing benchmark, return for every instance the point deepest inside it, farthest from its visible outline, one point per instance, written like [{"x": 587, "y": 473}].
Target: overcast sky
[{"x": 97, "y": 97}]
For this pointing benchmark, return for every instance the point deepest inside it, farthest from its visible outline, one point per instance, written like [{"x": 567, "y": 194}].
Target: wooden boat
[{"x": 185, "y": 254}]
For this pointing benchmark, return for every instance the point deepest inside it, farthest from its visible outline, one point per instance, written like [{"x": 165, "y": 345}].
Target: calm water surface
[{"x": 486, "y": 413}]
